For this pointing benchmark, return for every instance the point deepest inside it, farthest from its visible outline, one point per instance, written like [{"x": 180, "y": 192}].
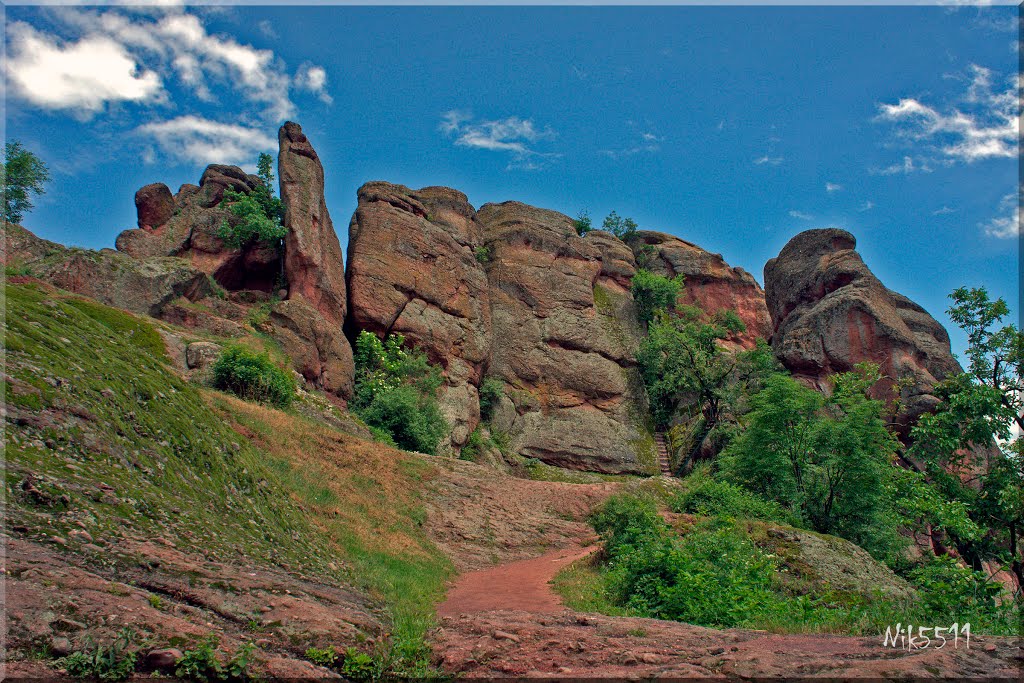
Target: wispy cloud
[
  {"x": 907, "y": 166},
  {"x": 832, "y": 187},
  {"x": 193, "y": 139},
  {"x": 943, "y": 211},
  {"x": 648, "y": 143},
  {"x": 866, "y": 206},
  {"x": 1006, "y": 225},
  {"x": 770, "y": 160},
  {"x": 512, "y": 135},
  {"x": 981, "y": 124},
  {"x": 801, "y": 215}
]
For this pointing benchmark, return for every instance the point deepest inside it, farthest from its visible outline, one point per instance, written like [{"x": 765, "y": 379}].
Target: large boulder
[
  {"x": 572, "y": 396},
  {"x": 317, "y": 347},
  {"x": 313, "y": 265},
  {"x": 829, "y": 312},
  {"x": 413, "y": 269},
  {"x": 154, "y": 205},
  {"x": 142, "y": 286},
  {"x": 710, "y": 283}
]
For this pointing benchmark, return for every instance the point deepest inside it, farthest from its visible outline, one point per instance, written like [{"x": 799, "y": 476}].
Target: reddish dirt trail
[{"x": 522, "y": 585}]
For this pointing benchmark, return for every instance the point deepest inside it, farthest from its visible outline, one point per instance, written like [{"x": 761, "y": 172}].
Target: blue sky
[{"x": 732, "y": 127}]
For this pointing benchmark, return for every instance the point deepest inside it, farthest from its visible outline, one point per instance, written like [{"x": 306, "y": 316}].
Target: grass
[{"x": 99, "y": 402}]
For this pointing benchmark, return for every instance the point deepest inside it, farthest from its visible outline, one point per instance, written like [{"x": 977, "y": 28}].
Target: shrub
[
  {"x": 706, "y": 496},
  {"x": 951, "y": 593},
  {"x": 259, "y": 212},
  {"x": 395, "y": 392},
  {"x": 654, "y": 292},
  {"x": 483, "y": 254},
  {"x": 201, "y": 663},
  {"x": 474, "y": 444},
  {"x": 360, "y": 666},
  {"x": 322, "y": 656},
  {"x": 253, "y": 376},
  {"x": 582, "y": 223},
  {"x": 491, "y": 391},
  {"x": 115, "y": 662}
]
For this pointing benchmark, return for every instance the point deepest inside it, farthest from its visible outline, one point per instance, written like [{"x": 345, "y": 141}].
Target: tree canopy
[{"x": 24, "y": 175}]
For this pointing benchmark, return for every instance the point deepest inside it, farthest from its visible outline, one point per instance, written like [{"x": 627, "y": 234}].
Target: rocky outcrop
[
  {"x": 313, "y": 264},
  {"x": 318, "y": 348},
  {"x": 710, "y": 282},
  {"x": 829, "y": 312},
  {"x": 143, "y": 286},
  {"x": 414, "y": 269},
  {"x": 186, "y": 225},
  {"x": 572, "y": 399}
]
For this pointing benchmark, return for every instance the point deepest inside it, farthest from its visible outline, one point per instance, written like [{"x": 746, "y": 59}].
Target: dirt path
[{"x": 522, "y": 585}]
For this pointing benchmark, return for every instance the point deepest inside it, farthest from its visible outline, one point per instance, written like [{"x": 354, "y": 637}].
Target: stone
[
  {"x": 710, "y": 283},
  {"x": 201, "y": 355},
  {"x": 829, "y": 312},
  {"x": 503, "y": 635},
  {"x": 164, "y": 659},
  {"x": 313, "y": 263},
  {"x": 154, "y": 204},
  {"x": 317, "y": 347},
  {"x": 60, "y": 647},
  {"x": 413, "y": 270}
]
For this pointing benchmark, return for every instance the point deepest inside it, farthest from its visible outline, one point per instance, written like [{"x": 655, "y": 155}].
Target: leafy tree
[
  {"x": 830, "y": 460},
  {"x": 24, "y": 174},
  {"x": 259, "y": 211},
  {"x": 654, "y": 292},
  {"x": 623, "y": 228},
  {"x": 957, "y": 442},
  {"x": 582, "y": 223}
]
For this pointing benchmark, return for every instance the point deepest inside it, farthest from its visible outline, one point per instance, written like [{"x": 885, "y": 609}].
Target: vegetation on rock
[
  {"x": 396, "y": 392},
  {"x": 652, "y": 293},
  {"x": 259, "y": 212}
]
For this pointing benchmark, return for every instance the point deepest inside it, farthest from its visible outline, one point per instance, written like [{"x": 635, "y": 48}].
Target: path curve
[{"x": 523, "y": 585}]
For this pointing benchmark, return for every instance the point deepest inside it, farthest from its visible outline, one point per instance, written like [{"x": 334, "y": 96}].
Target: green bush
[
  {"x": 623, "y": 228},
  {"x": 483, "y": 254},
  {"x": 359, "y": 666},
  {"x": 201, "y": 663},
  {"x": 396, "y": 392},
  {"x": 474, "y": 445},
  {"x": 491, "y": 391},
  {"x": 253, "y": 376},
  {"x": 322, "y": 656},
  {"x": 115, "y": 662},
  {"x": 582, "y": 223},
  {"x": 654, "y": 292},
  {"x": 711, "y": 498},
  {"x": 259, "y": 212},
  {"x": 952, "y": 593}
]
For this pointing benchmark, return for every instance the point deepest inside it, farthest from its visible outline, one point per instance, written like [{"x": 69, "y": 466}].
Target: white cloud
[
  {"x": 943, "y": 211},
  {"x": 82, "y": 76},
  {"x": 984, "y": 125},
  {"x": 908, "y": 166},
  {"x": 512, "y": 135},
  {"x": 832, "y": 187},
  {"x": 168, "y": 41},
  {"x": 866, "y": 206},
  {"x": 1006, "y": 226},
  {"x": 648, "y": 144},
  {"x": 771, "y": 161},
  {"x": 193, "y": 139},
  {"x": 801, "y": 215},
  {"x": 313, "y": 79}
]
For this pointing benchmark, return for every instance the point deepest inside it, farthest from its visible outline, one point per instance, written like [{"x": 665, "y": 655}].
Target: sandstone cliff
[{"x": 829, "y": 312}]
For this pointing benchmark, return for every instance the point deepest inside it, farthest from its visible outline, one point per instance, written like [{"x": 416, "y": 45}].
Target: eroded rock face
[
  {"x": 711, "y": 283},
  {"x": 829, "y": 312},
  {"x": 413, "y": 269},
  {"x": 145, "y": 286},
  {"x": 571, "y": 396},
  {"x": 314, "y": 267},
  {"x": 318, "y": 348}
]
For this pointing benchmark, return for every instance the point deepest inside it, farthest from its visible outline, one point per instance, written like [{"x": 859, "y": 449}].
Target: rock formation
[
  {"x": 144, "y": 286},
  {"x": 573, "y": 398},
  {"x": 829, "y": 312},
  {"x": 413, "y": 269},
  {"x": 710, "y": 282}
]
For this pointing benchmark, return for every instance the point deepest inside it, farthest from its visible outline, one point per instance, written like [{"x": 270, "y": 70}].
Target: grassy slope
[{"x": 92, "y": 399}]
